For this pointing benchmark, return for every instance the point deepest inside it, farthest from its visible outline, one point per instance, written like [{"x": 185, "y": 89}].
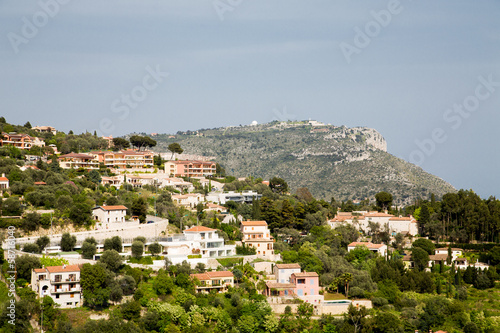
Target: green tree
[
  {"x": 94, "y": 176},
  {"x": 356, "y": 316},
  {"x": 94, "y": 281},
  {"x": 112, "y": 259},
  {"x": 384, "y": 200},
  {"x": 142, "y": 141},
  {"x": 120, "y": 143},
  {"x": 113, "y": 243},
  {"x": 420, "y": 258},
  {"x": 88, "y": 250},
  {"x": 42, "y": 242},
  {"x": 139, "y": 208},
  {"x": 278, "y": 185},
  {"x": 154, "y": 248},
  {"x": 175, "y": 148},
  {"x": 425, "y": 244},
  {"x": 137, "y": 249},
  {"x": 67, "y": 242},
  {"x": 25, "y": 264},
  {"x": 31, "y": 248},
  {"x": 31, "y": 221},
  {"x": 11, "y": 207}
]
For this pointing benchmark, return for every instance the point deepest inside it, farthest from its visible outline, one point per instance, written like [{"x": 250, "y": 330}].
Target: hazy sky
[{"x": 425, "y": 74}]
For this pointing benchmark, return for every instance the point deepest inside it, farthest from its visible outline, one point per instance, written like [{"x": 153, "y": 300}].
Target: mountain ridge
[{"x": 331, "y": 161}]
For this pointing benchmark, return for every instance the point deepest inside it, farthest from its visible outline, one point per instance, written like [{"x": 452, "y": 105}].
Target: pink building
[
  {"x": 190, "y": 168},
  {"x": 306, "y": 283}
]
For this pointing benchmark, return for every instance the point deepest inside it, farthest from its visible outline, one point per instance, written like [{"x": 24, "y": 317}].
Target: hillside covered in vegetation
[{"x": 340, "y": 162}]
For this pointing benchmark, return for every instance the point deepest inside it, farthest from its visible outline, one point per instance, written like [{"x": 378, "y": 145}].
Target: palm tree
[
  {"x": 346, "y": 278},
  {"x": 335, "y": 283}
]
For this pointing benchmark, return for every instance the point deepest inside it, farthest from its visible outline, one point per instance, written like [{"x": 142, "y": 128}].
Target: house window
[
  {"x": 301, "y": 281},
  {"x": 311, "y": 282},
  {"x": 69, "y": 304},
  {"x": 58, "y": 278},
  {"x": 57, "y": 295},
  {"x": 72, "y": 295}
]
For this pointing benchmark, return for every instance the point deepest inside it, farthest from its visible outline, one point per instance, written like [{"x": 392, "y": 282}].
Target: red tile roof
[
  {"x": 367, "y": 244},
  {"x": 288, "y": 266},
  {"x": 212, "y": 275},
  {"x": 305, "y": 274},
  {"x": 199, "y": 229},
  {"x": 61, "y": 269},
  {"x": 118, "y": 207},
  {"x": 254, "y": 223},
  {"x": 4, "y": 179}
]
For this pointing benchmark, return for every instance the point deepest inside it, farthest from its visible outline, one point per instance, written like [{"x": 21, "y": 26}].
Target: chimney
[{"x": 64, "y": 266}]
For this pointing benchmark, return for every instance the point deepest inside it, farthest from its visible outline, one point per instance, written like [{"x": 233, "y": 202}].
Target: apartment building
[
  {"x": 61, "y": 283},
  {"x": 20, "y": 141},
  {"x": 125, "y": 158},
  {"x": 256, "y": 234},
  {"x": 76, "y": 160},
  {"x": 190, "y": 168}
]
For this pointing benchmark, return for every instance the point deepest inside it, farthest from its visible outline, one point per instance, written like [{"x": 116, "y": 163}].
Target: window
[
  {"x": 301, "y": 281},
  {"x": 57, "y": 295},
  {"x": 72, "y": 295},
  {"x": 69, "y": 304},
  {"x": 311, "y": 282}
]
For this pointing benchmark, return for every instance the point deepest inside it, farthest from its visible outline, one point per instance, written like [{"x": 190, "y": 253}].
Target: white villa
[
  {"x": 109, "y": 214},
  {"x": 61, "y": 283},
  {"x": 361, "y": 220},
  {"x": 198, "y": 240}
]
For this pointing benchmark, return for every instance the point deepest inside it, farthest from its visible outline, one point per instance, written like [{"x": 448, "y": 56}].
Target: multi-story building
[
  {"x": 244, "y": 197},
  {"x": 61, "y": 283},
  {"x": 125, "y": 158},
  {"x": 283, "y": 272},
  {"x": 257, "y": 235},
  {"x": 190, "y": 168},
  {"x": 361, "y": 220},
  {"x": 189, "y": 200},
  {"x": 45, "y": 129},
  {"x": 306, "y": 283},
  {"x": 109, "y": 214},
  {"x": 198, "y": 240},
  {"x": 219, "y": 281},
  {"x": 20, "y": 141},
  {"x": 76, "y": 160}
]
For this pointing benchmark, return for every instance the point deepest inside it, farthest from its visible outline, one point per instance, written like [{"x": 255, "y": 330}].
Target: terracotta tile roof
[
  {"x": 119, "y": 207},
  {"x": 4, "y": 179},
  {"x": 199, "y": 229},
  {"x": 288, "y": 266},
  {"x": 367, "y": 244},
  {"x": 40, "y": 270},
  {"x": 201, "y": 276},
  {"x": 76, "y": 155},
  {"x": 39, "y": 183},
  {"x": 212, "y": 275},
  {"x": 217, "y": 274},
  {"x": 438, "y": 257},
  {"x": 254, "y": 223},
  {"x": 276, "y": 285},
  {"x": 62, "y": 269},
  {"x": 378, "y": 215},
  {"x": 446, "y": 249},
  {"x": 400, "y": 219},
  {"x": 305, "y": 274}
]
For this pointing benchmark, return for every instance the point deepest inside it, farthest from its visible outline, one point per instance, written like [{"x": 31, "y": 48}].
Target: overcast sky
[{"x": 425, "y": 74}]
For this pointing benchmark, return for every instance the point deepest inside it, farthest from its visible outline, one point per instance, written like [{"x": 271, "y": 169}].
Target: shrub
[
  {"x": 356, "y": 292},
  {"x": 379, "y": 301},
  {"x": 31, "y": 248}
]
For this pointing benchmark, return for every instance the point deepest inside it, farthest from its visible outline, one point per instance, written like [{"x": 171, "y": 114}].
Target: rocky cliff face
[{"x": 346, "y": 163}]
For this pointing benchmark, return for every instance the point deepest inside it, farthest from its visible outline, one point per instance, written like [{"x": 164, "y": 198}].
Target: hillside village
[{"x": 106, "y": 235}]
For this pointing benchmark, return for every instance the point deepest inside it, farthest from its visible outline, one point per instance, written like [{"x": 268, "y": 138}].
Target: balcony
[{"x": 66, "y": 290}]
